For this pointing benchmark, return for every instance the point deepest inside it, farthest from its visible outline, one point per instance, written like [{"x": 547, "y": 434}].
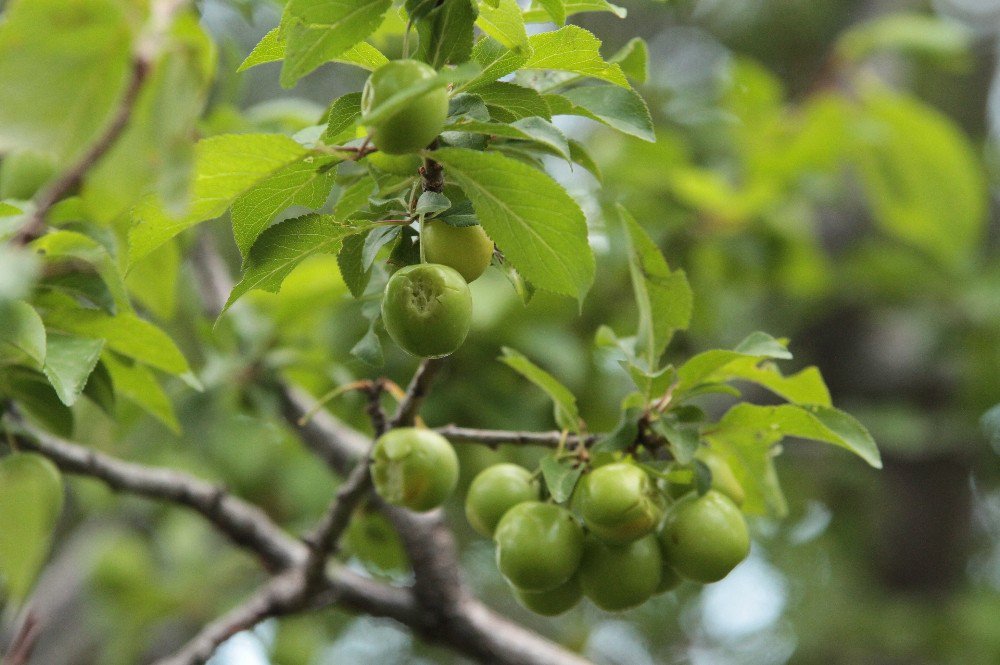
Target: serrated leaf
[
  {"x": 699, "y": 368},
  {"x": 283, "y": 246},
  {"x": 683, "y": 440},
  {"x": 271, "y": 48},
  {"x": 539, "y": 227},
  {"x": 317, "y": 31},
  {"x": 560, "y": 478},
  {"x": 64, "y": 244},
  {"x": 431, "y": 202},
  {"x": 225, "y": 167},
  {"x": 633, "y": 58},
  {"x": 508, "y": 102},
  {"x": 369, "y": 348},
  {"x": 304, "y": 183},
  {"x": 31, "y": 499},
  {"x": 68, "y": 363},
  {"x": 615, "y": 107},
  {"x": 139, "y": 385},
  {"x": 495, "y": 60},
  {"x": 503, "y": 22},
  {"x": 446, "y": 33},
  {"x": 536, "y": 130},
  {"x": 579, "y": 154},
  {"x": 804, "y": 387},
  {"x": 22, "y": 328},
  {"x": 905, "y": 145},
  {"x": 566, "y": 414},
  {"x": 153, "y": 282},
  {"x": 575, "y": 50}
]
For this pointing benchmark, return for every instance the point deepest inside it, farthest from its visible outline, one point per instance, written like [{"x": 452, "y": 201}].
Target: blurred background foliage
[{"x": 825, "y": 171}]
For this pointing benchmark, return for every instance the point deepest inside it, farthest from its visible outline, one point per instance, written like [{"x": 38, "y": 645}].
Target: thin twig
[
  {"x": 416, "y": 393},
  {"x": 496, "y": 437}
]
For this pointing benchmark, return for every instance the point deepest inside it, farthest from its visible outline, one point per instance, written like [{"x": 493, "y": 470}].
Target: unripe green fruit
[
  {"x": 552, "y": 602},
  {"x": 408, "y": 164},
  {"x": 414, "y": 468},
  {"x": 427, "y": 309},
  {"x": 704, "y": 538},
  {"x": 619, "y": 503},
  {"x": 539, "y": 545},
  {"x": 416, "y": 124},
  {"x": 494, "y": 491},
  {"x": 467, "y": 249},
  {"x": 619, "y": 577}
]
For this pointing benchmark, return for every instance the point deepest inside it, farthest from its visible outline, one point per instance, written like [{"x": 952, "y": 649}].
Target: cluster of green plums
[
  {"x": 427, "y": 307},
  {"x": 620, "y": 540},
  {"x": 617, "y": 542}
]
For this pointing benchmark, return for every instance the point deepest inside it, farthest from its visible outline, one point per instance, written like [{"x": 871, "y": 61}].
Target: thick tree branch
[
  {"x": 245, "y": 524},
  {"x": 496, "y": 437}
]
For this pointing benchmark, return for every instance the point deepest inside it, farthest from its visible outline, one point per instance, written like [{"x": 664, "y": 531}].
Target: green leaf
[
  {"x": 906, "y": 145},
  {"x": 917, "y": 34},
  {"x": 22, "y": 328},
  {"x": 8, "y": 210},
  {"x": 615, "y": 107},
  {"x": 556, "y": 9},
  {"x": 496, "y": 61},
  {"x": 304, "y": 183},
  {"x": 683, "y": 439},
  {"x": 508, "y": 102},
  {"x": 225, "y": 167},
  {"x": 536, "y": 130},
  {"x": 541, "y": 229},
  {"x": 31, "y": 499},
  {"x": 283, "y": 246},
  {"x": 633, "y": 58},
  {"x": 125, "y": 333},
  {"x": 503, "y": 23},
  {"x": 566, "y": 414},
  {"x": 804, "y": 387},
  {"x": 354, "y": 197},
  {"x": 560, "y": 477},
  {"x": 663, "y": 297},
  {"x": 623, "y": 435},
  {"x": 349, "y": 260},
  {"x": 153, "y": 282},
  {"x": 342, "y": 116},
  {"x": 701, "y": 367},
  {"x": 37, "y": 399},
  {"x": 539, "y": 14},
  {"x": 573, "y": 49},
  {"x": 446, "y": 33},
  {"x": 271, "y": 48},
  {"x": 316, "y": 31},
  {"x": 139, "y": 385},
  {"x": 63, "y": 67},
  {"x": 69, "y": 362},
  {"x": 65, "y": 244}
]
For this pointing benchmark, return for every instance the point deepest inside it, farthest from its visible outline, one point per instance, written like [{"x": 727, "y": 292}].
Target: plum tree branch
[{"x": 496, "y": 437}]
